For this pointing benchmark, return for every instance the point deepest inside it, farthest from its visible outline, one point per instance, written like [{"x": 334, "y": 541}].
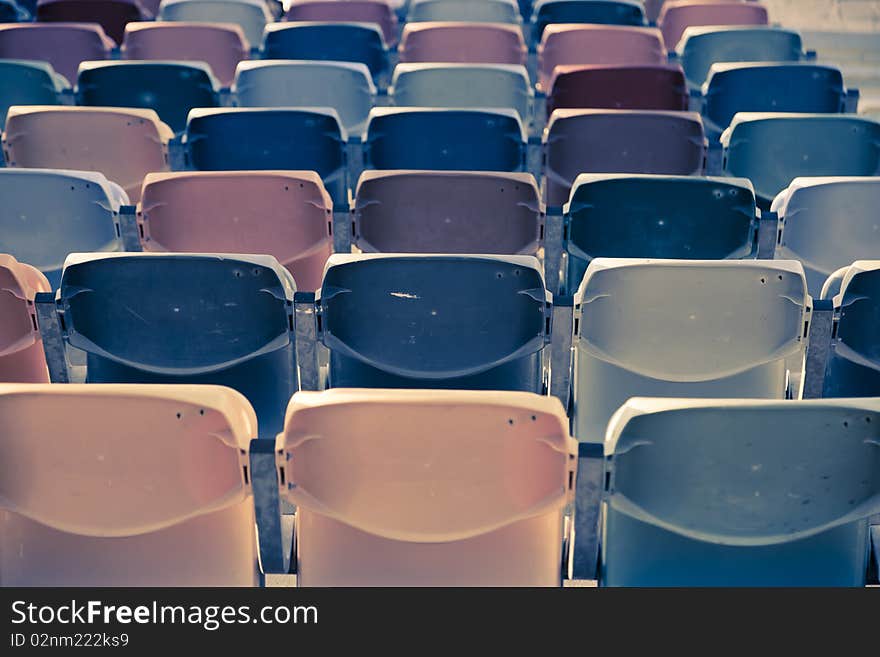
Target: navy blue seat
[
  {"x": 444, "y": 139},
  {"x": 434, "y": 321},
  {"x": 28, "y": 83},
  {"x": 604, "y": 12},
  {"x": 172, "y": 89},
  {"x": 270, "y": 139}
]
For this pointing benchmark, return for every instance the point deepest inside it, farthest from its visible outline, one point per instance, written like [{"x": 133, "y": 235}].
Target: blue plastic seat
[
  {"x": 172, "y": 89},
  {"x": 740, "y": 493},
  {"x": 29, "y": 83},
  {"x": 605, "y": 12},
  {"x": 445, "y": 139},
  {"x": 47, "y": 214},
  {"x": 11, "y": 12},
  {"x": 434, "y": 321},
  {"x": 270, "y": 139}
]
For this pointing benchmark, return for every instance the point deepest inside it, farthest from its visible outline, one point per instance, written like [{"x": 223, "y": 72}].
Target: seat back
[
  {"x": 122, "y": 144},
  {"x": 601, "y": 12},
  {"x": 21, "y": 349},
  {"x": 461, "y": 525},
  {"x": 25, "y": 82},
  {"x": 678, "y": 15},
  {"x": 619, "y": 141},
  {"x": 63, "y": 46},
  {"x": 684, "y": 328},
  {"x": 486, "y": 11},
  {"x": 377, "y": 12},
  {"x": 740, "y": 493},
  {"x": 174, "y": 459},
  {"x": 341, "y": 42},
  {"x": 463, "y": 43},
  {"x": 250, "y": 15},
  {"x": 111, "y": 15},
  {"x": 447, "y": 212},
  {"x": 434, "y": 321}
]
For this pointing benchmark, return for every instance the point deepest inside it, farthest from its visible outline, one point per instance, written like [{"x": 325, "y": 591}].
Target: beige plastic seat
[
  {"x": 427, "y": 488},
  {"x": 125, "y": 485},
  {"x": 123, "y": 144},
  {"x": 21, "y": 350}
]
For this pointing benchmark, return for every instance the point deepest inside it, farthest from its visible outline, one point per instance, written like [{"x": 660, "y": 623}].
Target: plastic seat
[
  {"x": 463, "y": 43},
  {"x": 828, "y": 223},
  {"x": 444, "y": 139},
  {"x": 48, "y": 213},
  {"x": 447, "y": 212},
  {"x": 221, "y": 46},
  {"x": 343, "y": 42},
  {"x": 123, "y": 144},
  {"x": 149, "y": 486},
  {"x": 172, "y": 89},
  {"x": 463, "y": 85},
  {"x": 678, "y": 15},
  {"x": 764, "y": 493},
  {"x": 11, "y": 12},
  {"x": 285, "y": 214},
  {"x": 185, "y": 318},
  {"x": 601, "y": 12},
  {"x": 21, "y": 348},
  {"x": 347, "y": 87},
  {"x": 700, "y": 47},
  {"x": 111, "y": 15},
  {"x": 570, "y": 45},
  {"x": 773, "y": 149},
  {"x": 667, "y": 217},
  {"x": 434, "y": 321},
  {"x": 29, "y": 83},
  {"x": 63, "y": 46},
  {"x": 647, "y": 87},
  {"x": 377, "y": 12},
  {"x": 684, "y": 328},
  {"x": 460, "y": 525},
  {"x": 251, "y": 15},
  {"x": 485, "y": 11},
  {"x": 619, "y": 141},
  {"x": 270, "y": 140}
]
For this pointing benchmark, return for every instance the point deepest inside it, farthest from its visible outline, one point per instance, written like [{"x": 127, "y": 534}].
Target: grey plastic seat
[
  {"x": 251, "y": 15},
  {"x": 483, "y": 11}
]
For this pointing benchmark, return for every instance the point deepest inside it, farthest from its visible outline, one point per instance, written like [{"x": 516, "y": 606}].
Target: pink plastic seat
[
  {"x": 221, "y": 45},
  {"x": 378, "y": 12},
  {"x": 466, "y": 43},
  {"x": 427, "y": 488},
  {"x": 21, "y": 349},
  {"x": 286, "y": 214},
  {"x": 678, "y": 15},
  {"x": 63, "y": 45},
  {"x": 123, "y": 144},
  {"x": 126, "y": 485},
  {"x": 576, "y": 44},
  {"x": 619, "y": 141}
]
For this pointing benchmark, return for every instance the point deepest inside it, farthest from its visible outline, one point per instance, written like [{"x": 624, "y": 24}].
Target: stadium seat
[
  {"x": 684, "y": 328},
  {"x": 602, "y": 12},
  {"x": 700, "y": 47},
  {"x": 25, "y": 82},
  {"x": 447, "y": 212},
  {"x": 48, "y": 213},
  {"x": 828, "y": 223},
  {"x": 63, "y": 46},
  {"x": 346, "y": 87},
  {"x": 376, "y": 12},
  {"x": 172, "y": 89},
  {"x": 434, "y": 321},
  {"x": 619, "y": 141},
  {"x": 251, "y": 15},
  {"x": 285, "y": 214},
  {"x": 271, "y": 140},
  {"x": 111, "y": 15},
  {"x": 649, "y": 216},
  {"x": 220, "y": 46},
  {"x": 384, "y": 523},
  {"x": 123, "y": 144},
  {"x": 772, "y": 149},
  {"x": 146, "y": 486},
  {"x": 764, "y": 493},
  {"x": 21, "y": 347},
  {"x": 463, "y": 85},
  {"x": 570, "y": 45},
  {"x": 184, "y": 318},
  {"x": 485, "y": 11},
  {"x": 463, "y": 43},
  {"x": 344, "y": 42},
  {"x": 678, "y": 15},
  {"x": 444, "y": 139},
  {"x": 12, "y": 12},
  {"x": 644, "y": 87}
]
